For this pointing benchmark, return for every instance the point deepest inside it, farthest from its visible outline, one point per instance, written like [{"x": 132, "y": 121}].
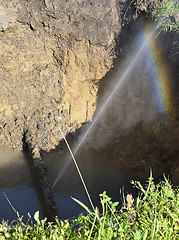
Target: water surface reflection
[
  {"x": 16, "y": 182},
  {"x": 99, "y": 174}
]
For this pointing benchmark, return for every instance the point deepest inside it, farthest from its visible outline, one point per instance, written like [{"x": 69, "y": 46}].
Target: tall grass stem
[
  {"x": 79, "y": 172},
  {"x": 11, "y": 204}
]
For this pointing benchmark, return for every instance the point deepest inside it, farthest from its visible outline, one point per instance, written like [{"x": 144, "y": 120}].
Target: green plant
[
  {"x": 158, "y": 209},
  {"x": 154, "y": 214},
  {"x": 167, "y": 16},
  {"x": 96, "y": 225}
]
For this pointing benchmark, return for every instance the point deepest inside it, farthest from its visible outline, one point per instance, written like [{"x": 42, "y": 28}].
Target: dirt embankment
[{"x": 52, "y": 55}]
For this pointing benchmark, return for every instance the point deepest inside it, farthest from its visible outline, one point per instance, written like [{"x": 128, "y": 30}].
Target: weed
[{"x": 154, "y": 214}]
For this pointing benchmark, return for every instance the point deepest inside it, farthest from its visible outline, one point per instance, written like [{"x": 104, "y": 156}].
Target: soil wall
[
  {"x": 53, "y": 54},
  {"x": 52, "y": 57}
]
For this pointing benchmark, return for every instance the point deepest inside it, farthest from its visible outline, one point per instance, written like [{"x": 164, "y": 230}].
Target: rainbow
[{"x": 158, "y": 74}]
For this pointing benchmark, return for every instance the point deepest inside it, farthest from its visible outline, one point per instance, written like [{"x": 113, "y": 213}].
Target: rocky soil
[{"x": 53, "y": 54}]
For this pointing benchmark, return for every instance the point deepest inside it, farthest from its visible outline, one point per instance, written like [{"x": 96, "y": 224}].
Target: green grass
[
  {"x": 154, "y": 214},
  {"x": 164, "y": 15}
]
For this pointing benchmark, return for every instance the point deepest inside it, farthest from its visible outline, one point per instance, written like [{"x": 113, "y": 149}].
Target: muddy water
[
  {"x": 97, "y": 172},
  {"x": 16, "y": 183}
]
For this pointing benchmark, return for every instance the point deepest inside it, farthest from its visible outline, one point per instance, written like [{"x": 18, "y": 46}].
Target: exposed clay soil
[{"x": 53, "y": 54}]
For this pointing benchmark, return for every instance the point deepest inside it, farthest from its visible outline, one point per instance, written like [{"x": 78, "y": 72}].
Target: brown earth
[{"x": 53, "y": 54}]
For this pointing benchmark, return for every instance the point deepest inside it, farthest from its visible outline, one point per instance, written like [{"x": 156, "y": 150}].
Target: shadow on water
[
  {"x": 99, "y": 174},
  {"x": 19, "y": 182}
]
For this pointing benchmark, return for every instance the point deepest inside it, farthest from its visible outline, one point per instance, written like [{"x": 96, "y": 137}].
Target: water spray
[{"x": 105, "y": 105}]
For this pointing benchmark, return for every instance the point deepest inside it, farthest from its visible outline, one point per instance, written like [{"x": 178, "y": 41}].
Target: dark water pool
[
  {"x": 17, "y": 185},
  {"x": 16, "y": 182},
  {"x": 99, "y": 176}
]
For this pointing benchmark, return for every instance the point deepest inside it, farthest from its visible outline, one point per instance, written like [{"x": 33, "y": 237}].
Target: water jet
[{"x": 119, "y": 84}]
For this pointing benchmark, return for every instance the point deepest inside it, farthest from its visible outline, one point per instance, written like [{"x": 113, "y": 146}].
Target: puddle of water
[
  {"x": 99, "y": 176},
  {"x": 15, "y": 181}
]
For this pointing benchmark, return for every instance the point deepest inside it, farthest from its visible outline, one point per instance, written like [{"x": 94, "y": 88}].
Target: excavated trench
[
  {"x": 56, "y": 74},
  {"x": 106, "y": 158}
]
